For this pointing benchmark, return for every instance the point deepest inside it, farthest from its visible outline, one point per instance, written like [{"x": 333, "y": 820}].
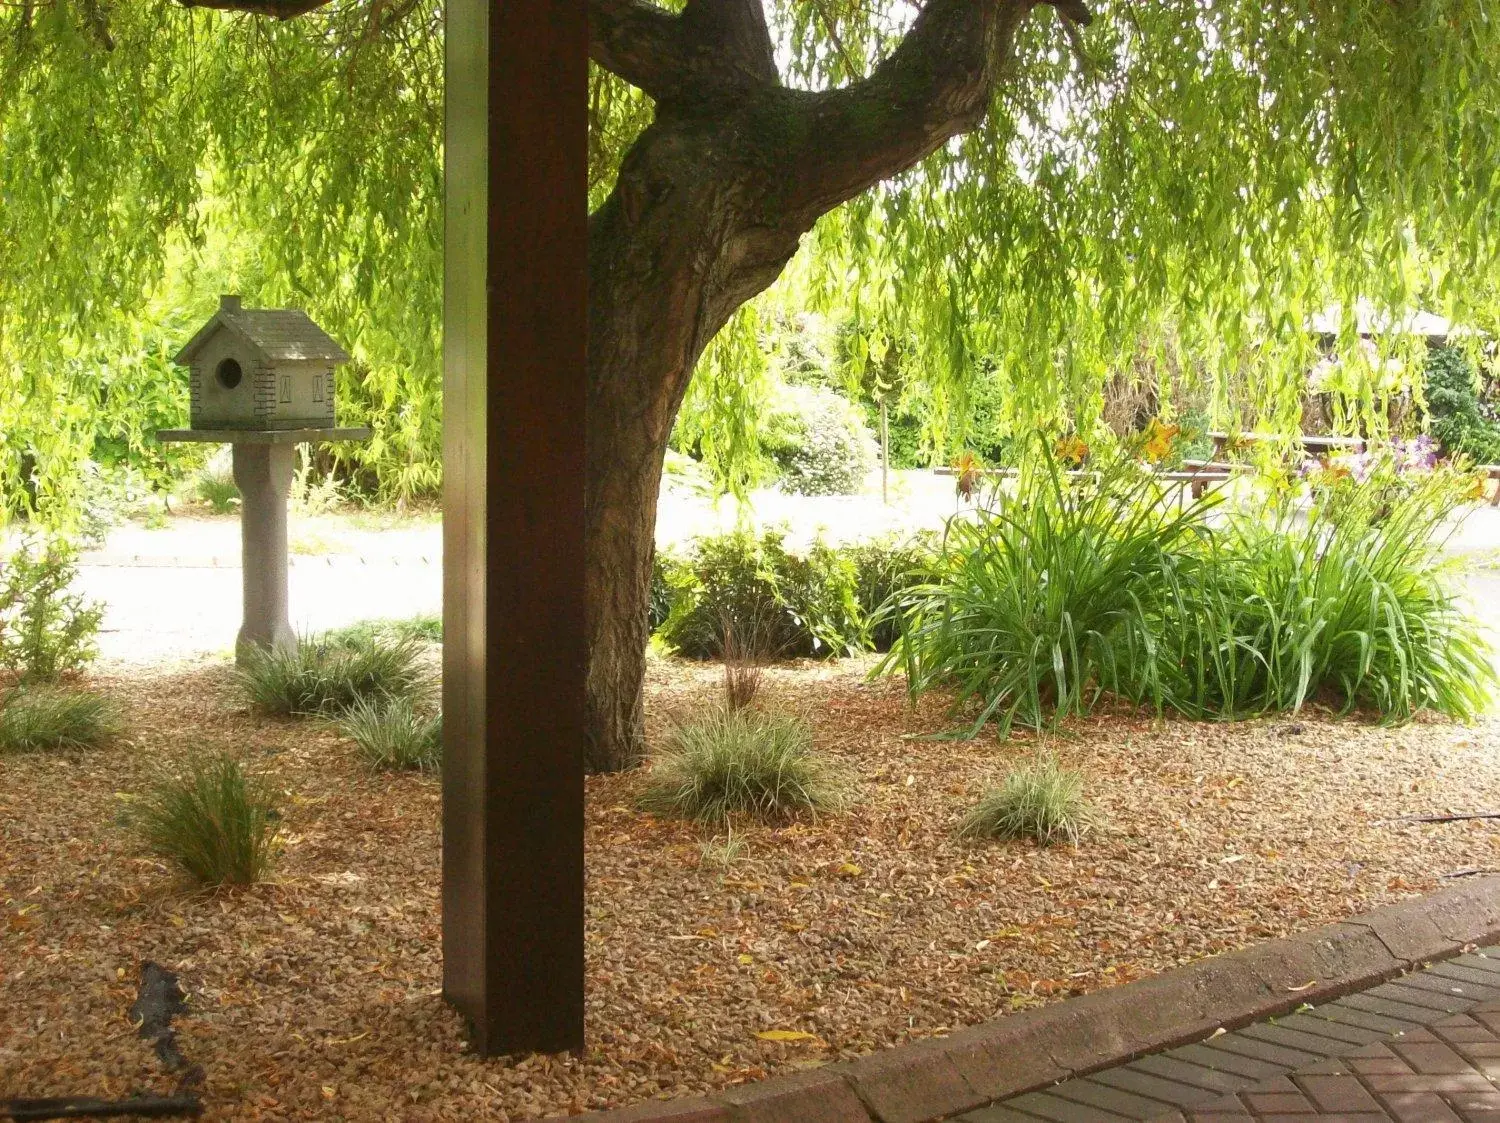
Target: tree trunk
[
  {"x": 671, "y": 256},
  {"x": 709, "y": 207},
  {"x": 620, "y": 534}
]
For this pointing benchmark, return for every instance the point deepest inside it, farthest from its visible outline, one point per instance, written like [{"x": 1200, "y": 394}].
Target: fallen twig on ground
[
  {"x": 1457, "y": 817},
  {"x": 87, "y": 1107}
]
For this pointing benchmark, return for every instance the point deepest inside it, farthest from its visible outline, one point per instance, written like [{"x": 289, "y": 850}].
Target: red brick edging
[{"x": 944, "y": 1076}]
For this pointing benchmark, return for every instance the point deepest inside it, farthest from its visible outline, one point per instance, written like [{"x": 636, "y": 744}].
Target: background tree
[{"x": 1052, "y": 184}]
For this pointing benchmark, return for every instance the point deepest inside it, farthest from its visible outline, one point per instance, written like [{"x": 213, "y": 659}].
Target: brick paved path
[{"x": 1424, "y": 1048}]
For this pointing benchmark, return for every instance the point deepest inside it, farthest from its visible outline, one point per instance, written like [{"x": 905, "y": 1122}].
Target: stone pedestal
[
  {"x": 263, "y": 473},
  {"x": 263, "y": 463}
]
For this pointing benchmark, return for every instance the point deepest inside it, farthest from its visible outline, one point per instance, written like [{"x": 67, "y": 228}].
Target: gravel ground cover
[{"x": 711, "y": 959}]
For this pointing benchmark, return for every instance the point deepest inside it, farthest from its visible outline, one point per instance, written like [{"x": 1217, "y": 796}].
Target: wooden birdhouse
[{"x": 261, "y": 369}]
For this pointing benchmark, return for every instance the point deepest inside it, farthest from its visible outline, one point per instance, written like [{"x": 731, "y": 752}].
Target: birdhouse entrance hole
[{"x": 229, "y": 374}]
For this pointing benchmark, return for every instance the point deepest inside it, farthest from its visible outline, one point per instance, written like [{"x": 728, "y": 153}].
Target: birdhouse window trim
[{"x": 286, "y": 390}]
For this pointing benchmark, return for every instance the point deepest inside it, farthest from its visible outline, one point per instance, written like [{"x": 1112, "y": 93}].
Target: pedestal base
[{"x": 263, "y": 473}]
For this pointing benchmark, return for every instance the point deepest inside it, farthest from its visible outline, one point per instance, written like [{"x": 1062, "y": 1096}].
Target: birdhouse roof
[{"x": 277, "y": 335}]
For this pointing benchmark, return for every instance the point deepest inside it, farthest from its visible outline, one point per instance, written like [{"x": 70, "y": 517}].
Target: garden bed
[{"x": 317, "y": 996}]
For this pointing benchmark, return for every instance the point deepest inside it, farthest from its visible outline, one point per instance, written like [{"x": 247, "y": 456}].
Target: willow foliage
[{"x": 1186, "y": 180}]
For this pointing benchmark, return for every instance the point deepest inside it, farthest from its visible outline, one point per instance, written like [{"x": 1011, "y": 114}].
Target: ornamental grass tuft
[
  {"x": 394, "y": 735},
  {"x": 51, "y": 718},
  {"x": 1041, "y": 801},
  {"x": 216, "y": 823},
  {"x": 748, "y": 762},
  {"x": 329, "y": 675}
]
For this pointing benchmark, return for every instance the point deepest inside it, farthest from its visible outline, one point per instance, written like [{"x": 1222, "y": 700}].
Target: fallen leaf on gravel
[{"x": 787, "y": 1035}]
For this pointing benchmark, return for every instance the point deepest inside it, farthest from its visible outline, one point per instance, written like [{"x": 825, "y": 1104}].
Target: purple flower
[{"x": 1419, "y": 455}]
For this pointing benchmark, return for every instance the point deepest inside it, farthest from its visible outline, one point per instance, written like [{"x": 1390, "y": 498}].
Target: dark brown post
[{"x": 515, "y": 320}]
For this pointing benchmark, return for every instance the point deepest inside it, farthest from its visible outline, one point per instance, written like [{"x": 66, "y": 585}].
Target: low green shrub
[
  {"x": 1041, "y": 801},
  {"x": 826, "y": 601},
  {"x": 325, "y": 676},
  {"x": 424, "y": 627},
  {"x": 49, "y": 718},
  {"x": 665, "y": 570},
  {"x": 46, "y": 631},
  {"x": 819, "y": 442},
  {"x": 745, "y": 762},
  {"x": 885, "y": 569},
  {"x": 394, "y": 735},
  {"x": 214, "y": 487},
  {"x": 1459, "y": 418},
  {"x": 803, "y": 603},
  {"x": 216, "y": 823}
]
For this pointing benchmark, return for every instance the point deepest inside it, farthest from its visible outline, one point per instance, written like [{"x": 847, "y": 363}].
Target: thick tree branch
[
  {"x": 732, "y": 34},
  {"x": 937, "y": 85},
  {"x": 715, "y": 47},
  {"x": 276, "y": 9},
  {"x": 640, "y": 43}
]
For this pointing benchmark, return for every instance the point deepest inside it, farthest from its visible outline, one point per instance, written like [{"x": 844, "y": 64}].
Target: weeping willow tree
[{"x": 1046, "y": 188}]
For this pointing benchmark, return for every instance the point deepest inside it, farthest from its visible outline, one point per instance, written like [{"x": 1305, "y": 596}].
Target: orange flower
[
  {"x": 1071, "y": 450},
  {"x": 969, "y": 472},
  {"x": 1158, "y": 439}
]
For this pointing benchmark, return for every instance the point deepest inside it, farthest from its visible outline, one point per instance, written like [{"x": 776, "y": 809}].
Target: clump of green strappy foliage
[
  {"x": 425, "y": 627},
  {"x": 1072, "y": 587},
  {"x": 1041, "y": 800},
  {"x": 214, "y": 821},
  {"x": 393, "y": 734},
  {"x": 746, "y": 762},
  {"x": 49, "y": 717},
  {"x": 328, "y": 675}
]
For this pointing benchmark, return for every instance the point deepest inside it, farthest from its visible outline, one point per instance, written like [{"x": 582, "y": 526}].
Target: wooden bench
[
  {"x": 1196, "y": 474},
  {"x": 1313, "y": 444}
]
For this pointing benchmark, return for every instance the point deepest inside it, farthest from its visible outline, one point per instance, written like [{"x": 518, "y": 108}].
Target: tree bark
[{"x": 671, "y": 256}]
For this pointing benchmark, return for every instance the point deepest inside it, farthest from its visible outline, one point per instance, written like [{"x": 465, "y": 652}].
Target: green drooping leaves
[
  {"x": 1174, "y": 192},
  {"x": 195, "y": 153}
]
